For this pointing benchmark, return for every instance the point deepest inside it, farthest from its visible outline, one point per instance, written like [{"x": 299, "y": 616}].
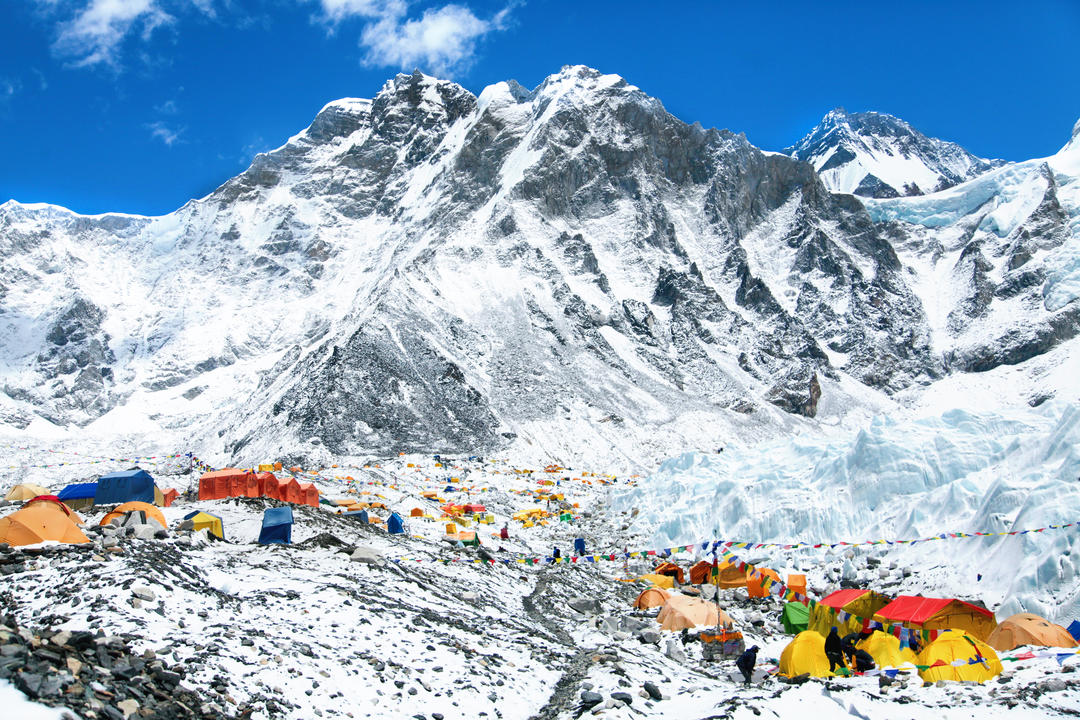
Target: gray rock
[
  {"x": 586, "y": 606},
  {"x": 1053, "y": 684},
  {"x": 590, "y": 699},
  {"x": 366, "y": 555},
  {"x": 649, "y": 637},
  {"x": 653, "y": 691}
]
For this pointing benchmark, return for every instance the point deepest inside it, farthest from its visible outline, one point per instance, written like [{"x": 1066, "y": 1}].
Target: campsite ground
[{"x": 305, "y": 631}]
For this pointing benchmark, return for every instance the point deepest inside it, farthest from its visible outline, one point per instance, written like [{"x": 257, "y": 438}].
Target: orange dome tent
[
  {"x": 683, "y": 612},
  {"x": 651, "y": 597},
  {"x": 671, "y": 570},
  {"x": 136, "y": 506},
  {"x": 756, "y": 582},
  {"x": 699, "y": 572},
  {"x": 41, "y": 520},
  {"x": 1029, "y": 629}
]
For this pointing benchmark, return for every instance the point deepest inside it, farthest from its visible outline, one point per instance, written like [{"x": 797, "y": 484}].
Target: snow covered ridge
[
  {"x": 960, "y": 471},
  {"x": 567, "y": 272},
  {"x": 877, "y": 155}
]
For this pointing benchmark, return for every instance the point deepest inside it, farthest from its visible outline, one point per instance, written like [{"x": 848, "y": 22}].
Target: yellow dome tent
[
  {"x": 1029, "y": 629},
  {"x": 664, "y": 581},
  {"x": 40, "y": 521},
  {"x": 25, "y": 492},
  {"x": 805, "y": 654},
  {"x": 885, "y": 649},
  {"x": 956, "y": 645}
]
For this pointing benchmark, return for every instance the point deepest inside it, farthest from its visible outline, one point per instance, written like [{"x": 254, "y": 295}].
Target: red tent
[
  {"x": 840, "y": 598},
  {"x": 268, "y": 484},
  {"x": 309, "y": 494},
  {"x": 923, "y": 613},
  {"x": 291, "y": 492},
  {"x": 251, "y": 487},
  {"x": 227, "y": 482},
  {"x": 168, "y": 496},
  {"x": 474, "y": 508}
]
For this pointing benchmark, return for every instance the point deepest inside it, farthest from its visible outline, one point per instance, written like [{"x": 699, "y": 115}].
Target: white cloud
[
  {"x": 91, "y": 32},
  {"x": 164, "y": 133},
  {"x": 442, "y": 40},
  {"x": 8, "y": 88},
  {"x": 339, "y": 10}
]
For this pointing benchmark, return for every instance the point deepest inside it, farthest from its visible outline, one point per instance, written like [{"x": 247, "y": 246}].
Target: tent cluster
[
  {"x": 43, "y": 518},
  {"x": 233, "y": 482},
  {"x": 134, "y": 485}
]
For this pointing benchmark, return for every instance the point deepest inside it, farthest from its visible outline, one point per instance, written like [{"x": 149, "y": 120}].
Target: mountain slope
[
  {"x": 565, "y": 270},
  {"x": 876, "y": 155}
]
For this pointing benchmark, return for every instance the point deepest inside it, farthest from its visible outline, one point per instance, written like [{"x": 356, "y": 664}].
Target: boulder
[
  {"x": 586, "y": 606},
  {"x": 653, "y": 691},
  {"x": 366, "y": 555}
]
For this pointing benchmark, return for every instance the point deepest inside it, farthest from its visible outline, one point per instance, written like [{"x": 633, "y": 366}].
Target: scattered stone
[
  {"x": 653, "y": 691},
  {"x": 586, "y": 606},
  {"x": 366, "y": 555}
]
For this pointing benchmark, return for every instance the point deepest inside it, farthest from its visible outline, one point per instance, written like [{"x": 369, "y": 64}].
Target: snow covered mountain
[
  {"x": 876, "y": 155},
  {"x": 569, "y": 271}
]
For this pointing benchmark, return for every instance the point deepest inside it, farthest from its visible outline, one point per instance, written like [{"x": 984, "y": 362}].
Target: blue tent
[
  {"x": 124, "y": 486},
  {"x": 1074, "y": 630},
  {"x": 80, "y": 491},
  {"x": 277, "y": 526},
  {"x": 394, "y": 524},
  {"x": 360, "y": 515},
  {"x": 579, "y": 547}
]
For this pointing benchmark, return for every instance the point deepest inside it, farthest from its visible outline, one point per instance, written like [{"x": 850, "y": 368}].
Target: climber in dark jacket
[
  {"x": 746, "y": 663},
  {"x": 863, "y": 661},
  {"x": 556, "y": 554},
  {"x": 834, "y": 650}
]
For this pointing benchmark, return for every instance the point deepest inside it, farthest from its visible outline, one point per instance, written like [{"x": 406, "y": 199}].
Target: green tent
[{"x": 795, "y": 617}]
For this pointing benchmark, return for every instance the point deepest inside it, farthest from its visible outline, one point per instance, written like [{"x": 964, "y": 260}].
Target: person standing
[
  {"x": 834, "y": 650},
  {"x": 746, "y": 663}
]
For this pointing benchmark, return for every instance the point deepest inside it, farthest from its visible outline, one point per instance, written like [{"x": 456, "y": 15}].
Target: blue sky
[{"x": 140, "y": 105}]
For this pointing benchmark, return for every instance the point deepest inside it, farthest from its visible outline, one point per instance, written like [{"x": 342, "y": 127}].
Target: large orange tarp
[
  {"x": 1029, "y": 629},
  {"x": 682, "y": 612},
  {"x": 268, "y": 485},
  {"x": 251, "y": 487},
  {"x": 40, "y": 521},
  {"x": 133, "y": 506}
]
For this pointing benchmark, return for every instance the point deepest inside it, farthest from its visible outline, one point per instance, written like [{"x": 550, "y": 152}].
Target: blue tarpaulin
[
  {"x": 80, "y": 491},
  {"x": 394, "y": 524},
  {"x": 1074, "y": 630},
  {"x": 360, "y": 515},
  {"x": 125, "y": 486},
  {"x": 276, "y": 526}
]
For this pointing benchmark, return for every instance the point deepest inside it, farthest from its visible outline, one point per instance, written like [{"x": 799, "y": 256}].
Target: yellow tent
[
  {"x": 651, "y": 597},
  {"x": 954, "y": 645},
  {"x": 24, "y": 492},
  {"x": 805, "y": 654},
  {"x": 663, "y": 581},
  {"x": 682, "y": 612},
  {"x": 885, "y": 649},
  {"x": 40, "y": 521},
  {"x": 210, "y": 522},
  {"x": 1029, "y": 629},
  {"x": 860, "y": 603},
  {"x": 134, "y": 506}
]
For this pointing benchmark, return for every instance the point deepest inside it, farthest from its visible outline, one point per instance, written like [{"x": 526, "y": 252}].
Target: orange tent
[
  {"x": 135, "y": 506},
  {"x": 219, "y": 484},
  {"x": 290, "y": 491},
  {"x": 169, "y": 496},
  {"x": 755, "y": 582},
  {"x": 268, "y": 484},
  {"x": 1029, "y": 629},
  {"x": 416, "y": 512},
  {"x": 40, "y": 520},
  {"x": 651, "y": 597},
  {"x": 309, "y": 494},
  {"x": 797, "y": 583},
  {"x": 728, "y": 576},
  {"x": 671, "y": 570},
  {"x": 699, "y": 573}
]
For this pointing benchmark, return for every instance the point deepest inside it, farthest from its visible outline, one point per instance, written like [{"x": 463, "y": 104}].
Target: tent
[
  {"x": 209, "y": 521},
  {"x": 682, "y": 612},
  {"x": 1029, "y": 629},
  {"x": 80, "y": 496},
  {"x": 309, "y": 494},
  {"x": 662, "y": 581},
  {"x": 885, "y": 649},
  {"x": 361, "y": 515},
  {"x": 797, "y": 583},
  {"x": 729, "y": 576},
  {"x": 474, "y": 508},
  {"x": 922, "y": 613},
  {"x": 672, "y": 570},
  {"x": 276, "y": 526},
  {"x": 1074, "y": 629},
  {"x": 38, "y": 521},
  {"x": 651, "y": 597},
  {"x": 290, "y": 491},
  {"x": 119, "y": 487},
  {"x": 150, "y": 512},
  {"x": 756, "y": 582},
  {"x": 224, "y": 483},
  {"x": 805, "y": 654},
  {"x": 416, "y": 512},
  {"x": 796, "y": 617},
  {"x": 25, "y": 492},
  {"x": 268, "y": 484},
  {"x": 859, "y": 603},
  {"x": 169, "y": 497},
  {"x": 579, "y": 546},
  {"x": 469, "y": 537},
  {"x": 979, "y": 661},
  {"x": 394, "y": 524}
]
